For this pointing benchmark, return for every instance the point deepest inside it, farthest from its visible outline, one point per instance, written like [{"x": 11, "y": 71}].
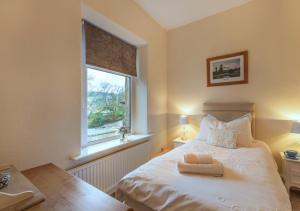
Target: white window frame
[
  {"x": 106, "y": 24},
  {"x": 84, "y": 117}
]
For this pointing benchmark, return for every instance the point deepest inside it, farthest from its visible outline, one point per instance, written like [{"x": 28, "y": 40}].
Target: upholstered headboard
[{"x": 229, "y": 111}]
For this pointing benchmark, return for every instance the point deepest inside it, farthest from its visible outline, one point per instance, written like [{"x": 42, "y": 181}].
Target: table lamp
[{"x": 183, "y": 120}]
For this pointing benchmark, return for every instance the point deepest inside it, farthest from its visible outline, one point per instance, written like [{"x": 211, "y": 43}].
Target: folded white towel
[
  {"x": 196, "y": 158},
  {"x": 214, "y": 169}
]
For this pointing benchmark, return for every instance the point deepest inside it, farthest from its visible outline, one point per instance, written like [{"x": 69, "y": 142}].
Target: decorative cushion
[
  {"x": 222, "y": 138},
  {"x": 242, "y": 128}
]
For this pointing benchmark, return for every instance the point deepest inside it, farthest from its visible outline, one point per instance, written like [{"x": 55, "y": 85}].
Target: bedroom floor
[{"x": 295, "y": 199}]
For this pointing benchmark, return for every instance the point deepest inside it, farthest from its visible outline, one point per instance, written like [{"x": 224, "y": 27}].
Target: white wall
[
  {"x": 40, "y": 88},
  {"x": 269, "y": 30},
  {"x": 40, "y": 59}
]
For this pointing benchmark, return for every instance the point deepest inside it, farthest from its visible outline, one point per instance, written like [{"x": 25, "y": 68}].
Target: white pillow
[
  {"x": 222, "y": 138},
  {"x": 242, "y": 128},
  {"x": 207, "y": 122}
]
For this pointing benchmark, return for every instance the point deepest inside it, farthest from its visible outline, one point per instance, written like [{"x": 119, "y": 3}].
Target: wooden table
[{"x": 66, "y": 192}]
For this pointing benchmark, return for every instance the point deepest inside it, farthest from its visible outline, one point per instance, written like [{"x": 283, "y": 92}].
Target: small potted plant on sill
[{"x": 123, "y": 131}]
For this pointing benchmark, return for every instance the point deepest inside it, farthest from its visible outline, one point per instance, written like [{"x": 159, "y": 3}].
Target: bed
[{"x": 250, "y": 181}]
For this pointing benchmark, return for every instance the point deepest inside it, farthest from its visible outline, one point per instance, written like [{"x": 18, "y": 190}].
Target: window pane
[{"x": 108, "y": 103}]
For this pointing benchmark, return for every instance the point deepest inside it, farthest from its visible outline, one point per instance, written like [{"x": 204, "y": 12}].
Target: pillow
[
  {"x": 242, "y": 128},
  {"x": 207, "y": 122},
  {"x": 222, "y": 138}
]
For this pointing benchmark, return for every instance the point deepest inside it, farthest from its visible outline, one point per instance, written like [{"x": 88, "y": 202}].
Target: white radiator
[{"x": 106, "y": 172}]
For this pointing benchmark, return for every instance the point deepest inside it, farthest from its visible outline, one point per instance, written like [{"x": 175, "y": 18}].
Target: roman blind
[{"x": 108, "y": 51}]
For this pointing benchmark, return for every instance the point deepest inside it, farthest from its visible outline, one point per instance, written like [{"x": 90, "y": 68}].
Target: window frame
[{"x": 84, "y": 116}]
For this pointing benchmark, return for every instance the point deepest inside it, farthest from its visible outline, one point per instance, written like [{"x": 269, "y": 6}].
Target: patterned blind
[{"x": 108, "y": 51}]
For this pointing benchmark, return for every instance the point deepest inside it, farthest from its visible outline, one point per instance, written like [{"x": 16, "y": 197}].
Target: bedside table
[
  {"x": 291, "y": 172},
  {"x": 178, "y": 142}
]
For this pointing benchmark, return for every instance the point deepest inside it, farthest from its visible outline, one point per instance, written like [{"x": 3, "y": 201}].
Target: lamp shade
[
  {"x": 183, "y": 120},
  {"x": 296, "y": 128}
]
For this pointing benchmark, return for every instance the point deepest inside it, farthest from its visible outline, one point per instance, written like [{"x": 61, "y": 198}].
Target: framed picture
[{"x": 228, "y": 69}]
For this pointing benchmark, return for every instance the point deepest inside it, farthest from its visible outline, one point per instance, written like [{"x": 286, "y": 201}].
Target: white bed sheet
[{"x": 250, "y": 181}]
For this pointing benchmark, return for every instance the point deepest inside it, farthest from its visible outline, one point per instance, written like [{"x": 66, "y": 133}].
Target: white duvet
[{"x": 250, "y": 182}]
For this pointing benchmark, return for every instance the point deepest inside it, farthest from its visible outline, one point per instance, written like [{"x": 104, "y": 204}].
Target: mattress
[{"x": 250, "y": 181}]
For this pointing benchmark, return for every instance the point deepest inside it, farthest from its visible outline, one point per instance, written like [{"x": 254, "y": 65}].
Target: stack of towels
[{"x": 200, "y": 164}]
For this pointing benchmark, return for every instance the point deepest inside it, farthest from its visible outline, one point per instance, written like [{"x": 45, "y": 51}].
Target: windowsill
[{"x": 103, "y": 149}]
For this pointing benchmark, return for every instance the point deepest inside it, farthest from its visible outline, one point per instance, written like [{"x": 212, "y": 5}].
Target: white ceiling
[{"x": 174, "y": 13}]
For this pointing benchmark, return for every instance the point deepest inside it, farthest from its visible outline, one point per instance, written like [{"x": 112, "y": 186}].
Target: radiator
[{"x": 106, "y": 172}]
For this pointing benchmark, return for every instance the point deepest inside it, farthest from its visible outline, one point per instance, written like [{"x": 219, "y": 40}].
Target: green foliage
[{"x": 105, "y": 107}]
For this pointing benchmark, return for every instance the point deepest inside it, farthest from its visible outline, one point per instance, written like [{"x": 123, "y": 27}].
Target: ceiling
[{"x": 171, "y": 14}]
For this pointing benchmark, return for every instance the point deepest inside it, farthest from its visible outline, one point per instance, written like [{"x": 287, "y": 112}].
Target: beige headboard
[{"x": 229, "y": 111}]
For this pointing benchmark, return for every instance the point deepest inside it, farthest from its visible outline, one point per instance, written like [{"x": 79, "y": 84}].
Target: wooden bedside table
[
  {"x": 291, "y": 172},
  {"x": 178, "y": 142}
]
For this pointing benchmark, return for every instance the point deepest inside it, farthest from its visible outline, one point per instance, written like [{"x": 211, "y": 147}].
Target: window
[
  {"x": 108, "y": 104},
  {"x": 109, "y": 63}
]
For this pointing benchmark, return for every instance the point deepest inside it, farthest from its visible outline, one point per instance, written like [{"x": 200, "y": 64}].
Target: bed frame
[{"x": 222, "y": 111}]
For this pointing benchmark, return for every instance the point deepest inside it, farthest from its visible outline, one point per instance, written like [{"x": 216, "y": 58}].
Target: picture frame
[{"x": 228, "y": 69}]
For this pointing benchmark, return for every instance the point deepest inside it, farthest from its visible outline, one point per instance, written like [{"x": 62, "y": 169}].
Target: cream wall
[
  {"x": 129, "y": 15},
  {"x": 40, "y": 57},
  {"x": 270, "y": 31}
]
